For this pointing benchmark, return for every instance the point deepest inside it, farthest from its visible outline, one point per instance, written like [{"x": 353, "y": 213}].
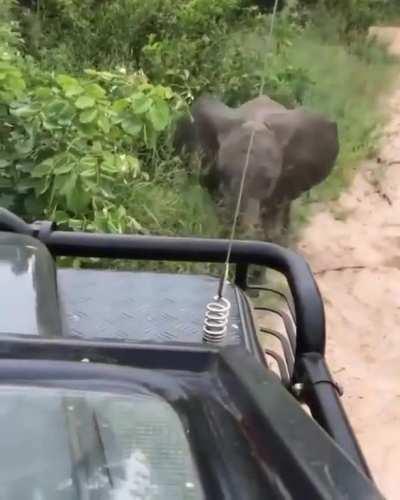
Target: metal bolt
[{"x": 297, "y": 390}]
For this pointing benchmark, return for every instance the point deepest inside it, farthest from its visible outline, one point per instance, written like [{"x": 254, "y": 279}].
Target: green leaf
[
  {"x": 6, "y": 183},
  {"x": 104, "y": 123},
  {"x": 44, "y": 168},
  {"x": 97, "y": 147},
  {"x": 24, "y": 148},
  {"x": 43, "y": 92},
  {"x": 159, "y": 115},
  {"x": 77, "y": 198},
  {"x": 50, "y": 125},
  {"x": 89, "y": 129},
  {"x": 25, "y": 111},
  {"x": 60, "y": 216},
  {"x": 63, "y": 169},
  {"x": 76, "y": 224},
  {"x": 87, "y": 174},
  {"x": 70, "y": 85},
  {"x": 88, "y": 116},
  {"x": 109, "y": 164},
  {"x": 59, "y": 182},
  {"x": 131, "y": 125},
  {"x": 34, "y": 205},
  {"x": 27, "y": 184},
  {"x": 16, "y": 83},
  {"x": 56, "y": 108},
  {"x": 7, "y": 200},
  {"x": 88, "y": 166},
  {"x": 42, "y": 186},
  {"x": 4, "y": 163},
  {"x": 25, "y": 166},
  {"x": 66, "y": 114},
  {"x": 133, "y": 164},
  {"x": 120, "y": 105},
  {"x": 84, "y": 102},
  {"x": 66, "y": 81},
  {"x": 68, "y": 185},
  {"x": 95, "y": 91},
  {"x": 140, "y": 103}
]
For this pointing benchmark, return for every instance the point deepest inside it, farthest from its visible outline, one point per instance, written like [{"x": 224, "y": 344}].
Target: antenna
[{"x": 217, "y": 314}]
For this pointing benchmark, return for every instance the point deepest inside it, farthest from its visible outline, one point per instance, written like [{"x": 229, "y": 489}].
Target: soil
[{"x": 353, "y": 248}]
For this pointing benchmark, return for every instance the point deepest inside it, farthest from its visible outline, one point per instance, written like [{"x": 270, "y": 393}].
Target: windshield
[{"x": 69, "y": 445}]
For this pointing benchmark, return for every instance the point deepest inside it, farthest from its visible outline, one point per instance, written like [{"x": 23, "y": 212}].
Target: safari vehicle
[{"x": 108, "y": 390}]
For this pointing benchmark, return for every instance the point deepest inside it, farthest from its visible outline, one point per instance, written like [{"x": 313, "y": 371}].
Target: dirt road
[{"x": 356, "y": 260}]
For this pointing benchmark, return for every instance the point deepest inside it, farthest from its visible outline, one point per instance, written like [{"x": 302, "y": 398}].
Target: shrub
[
  {"x": 90, "y": 152},
  {"x": 352, "y": 16},
  {"x": 193, "y": 46}
]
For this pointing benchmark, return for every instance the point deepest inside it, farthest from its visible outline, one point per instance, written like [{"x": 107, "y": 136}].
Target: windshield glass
[{"x": 70, "y": 445}]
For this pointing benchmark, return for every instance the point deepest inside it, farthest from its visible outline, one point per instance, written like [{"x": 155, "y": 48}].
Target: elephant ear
[
  {"x": 184, "y": 135},
  {"x": 214, "y": 121}
]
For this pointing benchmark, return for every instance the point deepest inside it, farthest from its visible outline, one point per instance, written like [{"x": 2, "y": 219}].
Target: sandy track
[{"x": 356, "y": 260}]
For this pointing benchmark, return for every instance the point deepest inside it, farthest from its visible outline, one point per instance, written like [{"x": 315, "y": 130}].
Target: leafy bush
[
  {"x": 193, "y": 46},
  {"x": 105, "y": 34},
  {"x": 90, "y": 152},
  {"x": 9, "y": 35},
  {"x": 352, "y": 16}
]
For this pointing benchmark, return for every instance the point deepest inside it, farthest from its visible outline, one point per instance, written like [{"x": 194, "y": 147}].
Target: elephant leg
[
  {"x": 285, "y": 212},
  {"x": 272, "y": 222},
  {"x": 275, "y": 224},
  {"x": 249, "y": 219},
  {"x": 210, "y": 178},
  {"x": 286, "y": 216},
  {"x": 250, "y": 213},
  {"x": 269, "y": 222}
]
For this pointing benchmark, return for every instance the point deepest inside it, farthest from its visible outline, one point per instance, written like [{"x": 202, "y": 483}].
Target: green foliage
[
  {"x": 105, "y": 34},
  {"x": 356, "y": 15},
  {"x": 91, "y": 148},
  {"x": 193, "y": 46},
  {"x": 348, "y": 81},
  {"x": 351, "y": 17},
  {"x": 9, "y": 35},
  {"x": 88, "y": 152}
]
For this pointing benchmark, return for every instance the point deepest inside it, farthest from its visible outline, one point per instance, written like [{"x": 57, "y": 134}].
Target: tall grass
[{"x": 348, "y": 82}]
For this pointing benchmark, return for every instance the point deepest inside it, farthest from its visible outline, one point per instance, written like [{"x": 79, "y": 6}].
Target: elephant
[{"x": 292, "y": 150}]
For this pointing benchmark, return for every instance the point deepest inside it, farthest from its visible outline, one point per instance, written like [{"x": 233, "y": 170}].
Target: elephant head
[
  {"x": 286, "y": 151},
  {"x": 228, "y": 141}
]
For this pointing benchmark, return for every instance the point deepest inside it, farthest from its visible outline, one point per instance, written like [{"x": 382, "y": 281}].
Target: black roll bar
[{"x": 310, "y": 317}]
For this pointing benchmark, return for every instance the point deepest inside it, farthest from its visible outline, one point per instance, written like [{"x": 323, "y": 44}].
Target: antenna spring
[
  {"x": 216, "y": 320},
  {"x": 217, "y": 314}
]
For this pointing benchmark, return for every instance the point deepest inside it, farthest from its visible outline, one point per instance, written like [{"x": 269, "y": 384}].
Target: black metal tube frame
[
  {"x": 310, "y": 318},
  {"x": 320, "y": 394}
]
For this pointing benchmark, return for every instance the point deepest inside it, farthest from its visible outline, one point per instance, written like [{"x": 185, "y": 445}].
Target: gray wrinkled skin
[{"x": 293, "y": 150}]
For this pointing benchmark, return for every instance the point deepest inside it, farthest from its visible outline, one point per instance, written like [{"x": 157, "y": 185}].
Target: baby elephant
[{"x": 286, "y": 151}]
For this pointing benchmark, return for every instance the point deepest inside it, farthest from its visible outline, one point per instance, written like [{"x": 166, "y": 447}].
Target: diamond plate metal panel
[{"x": 142, "y": 307}]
